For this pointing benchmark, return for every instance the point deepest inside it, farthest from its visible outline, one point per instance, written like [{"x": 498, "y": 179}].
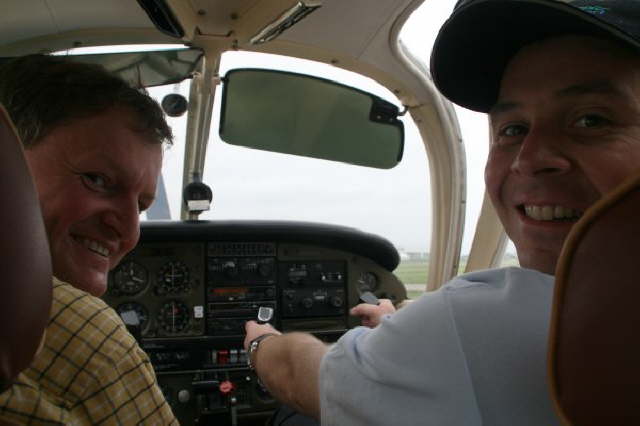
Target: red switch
[{"x": 223, "y": 356}]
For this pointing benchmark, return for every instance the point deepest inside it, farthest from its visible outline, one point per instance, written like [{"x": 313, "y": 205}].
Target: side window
[
  {"x": 510, "y": 257},
  {"x": 418, "y": 35},
  {"x": 169, "y": 192}
]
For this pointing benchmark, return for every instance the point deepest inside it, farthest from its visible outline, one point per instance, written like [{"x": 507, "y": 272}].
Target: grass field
[
  {"x": 414, "y": 294},
  {"x": 412, "y": 271},
  {"x": 415, "y": 271}
]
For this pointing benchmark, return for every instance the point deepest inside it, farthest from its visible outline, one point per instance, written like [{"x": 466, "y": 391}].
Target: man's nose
[
  {"x": 123, "y": 217},
  {"x": 541, "y": 152}
]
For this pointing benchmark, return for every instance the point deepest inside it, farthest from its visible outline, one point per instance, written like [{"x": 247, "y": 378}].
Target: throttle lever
[
  {"x": 265, "y": 314},
  {"x": 370, "y": 298}
]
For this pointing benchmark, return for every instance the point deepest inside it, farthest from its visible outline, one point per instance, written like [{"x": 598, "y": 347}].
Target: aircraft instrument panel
[{"x": 187, "y": 289}]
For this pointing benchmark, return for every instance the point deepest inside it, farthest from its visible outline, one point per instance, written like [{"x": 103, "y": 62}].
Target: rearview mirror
[{"x": 312, "y": 117}]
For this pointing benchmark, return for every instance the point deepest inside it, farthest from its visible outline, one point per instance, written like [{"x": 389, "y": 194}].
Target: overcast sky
[{"x": 394, "y": 203}]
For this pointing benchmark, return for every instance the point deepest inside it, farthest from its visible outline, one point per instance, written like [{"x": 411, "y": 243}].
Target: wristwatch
[{"x": 253, "y": 347}]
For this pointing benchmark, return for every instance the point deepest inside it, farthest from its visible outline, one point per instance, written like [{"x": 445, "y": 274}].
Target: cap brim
[{"x": 476, "y": 43}]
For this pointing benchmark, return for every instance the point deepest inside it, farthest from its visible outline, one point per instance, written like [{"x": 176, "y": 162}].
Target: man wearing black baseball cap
[
  {"x": 481, "y": 36},
  {"x": 560, "y": 81}
]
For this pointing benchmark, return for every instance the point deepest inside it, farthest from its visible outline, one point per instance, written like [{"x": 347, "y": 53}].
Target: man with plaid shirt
[{"x": 94, "y": 147}]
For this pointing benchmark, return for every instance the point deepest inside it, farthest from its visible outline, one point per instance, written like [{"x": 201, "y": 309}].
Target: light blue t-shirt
[{"x": 470, "y": 353}]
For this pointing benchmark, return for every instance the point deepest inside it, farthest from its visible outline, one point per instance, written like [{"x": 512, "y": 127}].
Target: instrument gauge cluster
[
  {"x": 159, "y": 288},
  {"x": 188, "y": 288}
]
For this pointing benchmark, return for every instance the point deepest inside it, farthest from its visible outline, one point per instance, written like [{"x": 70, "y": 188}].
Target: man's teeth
[
  {"x": 95, "y": 247},
  {"x": 551, "y": 212}
]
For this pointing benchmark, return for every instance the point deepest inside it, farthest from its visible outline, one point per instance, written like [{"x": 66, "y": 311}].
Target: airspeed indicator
[{"x": 130, "y": 278}]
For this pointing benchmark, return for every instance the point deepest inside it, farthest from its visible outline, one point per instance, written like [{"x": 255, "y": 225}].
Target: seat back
[
  {"x": 25, "y": 261},
  {"x": 594, "y": 346}
]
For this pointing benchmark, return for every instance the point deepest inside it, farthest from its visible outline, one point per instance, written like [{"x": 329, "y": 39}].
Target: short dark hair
[{"x": 41, "y": 92}]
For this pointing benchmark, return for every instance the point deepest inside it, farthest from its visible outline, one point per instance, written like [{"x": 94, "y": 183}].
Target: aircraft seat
[
  {"x": 25, "y": 262},
  {"x": 594, "y": 343}
]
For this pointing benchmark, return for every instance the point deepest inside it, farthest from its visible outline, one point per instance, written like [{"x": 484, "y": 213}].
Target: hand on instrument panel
[
  {"x": 255, "y": 330},
  {"x": 370, "y": 315}
]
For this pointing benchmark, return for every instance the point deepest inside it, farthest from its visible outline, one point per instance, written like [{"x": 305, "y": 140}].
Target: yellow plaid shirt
[{"x": 90, "y": 371}]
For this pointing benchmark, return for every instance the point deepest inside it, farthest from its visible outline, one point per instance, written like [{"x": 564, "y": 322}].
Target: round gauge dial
[
  {"x": 367, "y": 281},
  {"x": 130, "y": 278},
  {"x": 132, "y": 313},
  {"x": 173, "y": 278},
  {"x": 173, "y": 317}
]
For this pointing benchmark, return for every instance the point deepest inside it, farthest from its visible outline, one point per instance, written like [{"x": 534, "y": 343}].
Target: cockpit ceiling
[
  {"x": 27, "y": 19},
  {"x": 338, "y": 25},
  {"x": 218, "y": 17},
  {"x": 357, "y": 29},
  {"x": 347, "y": 26},
  {"x": 342, "y": 26}
]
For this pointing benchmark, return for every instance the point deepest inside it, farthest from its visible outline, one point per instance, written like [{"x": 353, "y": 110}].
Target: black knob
[
  {"x": 230, "y": 269},
  {"x": 307, "y": 302},
  {"x": 264, "y": 270},
  {"x": 336, "y": 301},
  {"x": 296, "y": 280}
]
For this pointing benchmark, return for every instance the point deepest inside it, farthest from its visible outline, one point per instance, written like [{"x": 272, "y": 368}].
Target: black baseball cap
[{"x": 481, "y": 36}]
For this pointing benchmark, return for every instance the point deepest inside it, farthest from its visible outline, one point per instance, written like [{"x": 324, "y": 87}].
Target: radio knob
[
  {"x": 307, "y": 302},
  {"x": 336, "y": 301},
  {"x": 230, "y": 269},
  {"x": 264, "y": 270},
  {"x": 184, "y": 396}
]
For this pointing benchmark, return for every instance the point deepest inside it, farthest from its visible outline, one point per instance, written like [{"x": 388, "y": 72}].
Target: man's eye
[
  {"x": 591, "y": 120},
  {"x": 94, "y": 181},
  {"x": 513, "y": 130}
]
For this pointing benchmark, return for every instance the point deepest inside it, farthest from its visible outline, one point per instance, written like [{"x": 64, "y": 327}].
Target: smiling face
[
  {"x": 93, "y": 177},
  {"x": 566, "y": 130}
]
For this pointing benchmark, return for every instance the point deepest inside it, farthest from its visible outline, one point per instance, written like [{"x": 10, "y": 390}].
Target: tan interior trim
[{"x": 489, "y": 240}]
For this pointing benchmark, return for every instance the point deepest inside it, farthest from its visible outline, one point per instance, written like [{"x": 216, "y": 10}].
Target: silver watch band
[{"x": 253, "y": 347}]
